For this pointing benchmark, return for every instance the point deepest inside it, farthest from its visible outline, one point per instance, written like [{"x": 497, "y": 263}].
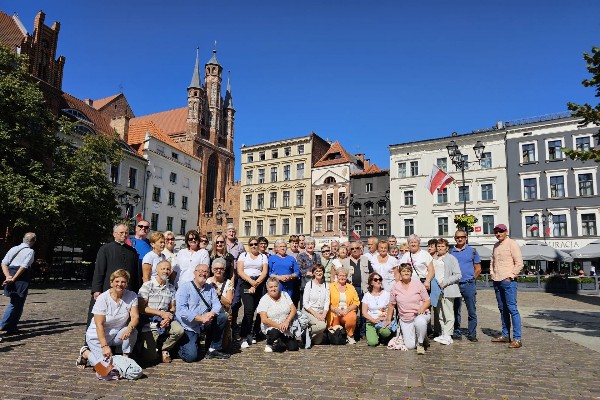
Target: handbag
[{"x": 337, "y": 337}]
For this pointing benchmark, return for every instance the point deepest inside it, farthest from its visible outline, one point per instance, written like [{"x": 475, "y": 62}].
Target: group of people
[{"x": 153, "y": 301}]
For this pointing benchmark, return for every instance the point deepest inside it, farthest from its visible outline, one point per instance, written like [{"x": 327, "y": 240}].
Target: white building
[
  {"x": 415, "y": 210},
  {"x": 171, "y": 181}
]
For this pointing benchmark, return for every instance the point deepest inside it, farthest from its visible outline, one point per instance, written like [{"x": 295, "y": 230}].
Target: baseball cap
[{"x": 500, "y": 227}]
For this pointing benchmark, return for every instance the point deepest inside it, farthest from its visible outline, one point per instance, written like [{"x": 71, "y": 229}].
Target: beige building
[
  {"x": 276, "y": 187},
  {"x": 331, "y": 193}
]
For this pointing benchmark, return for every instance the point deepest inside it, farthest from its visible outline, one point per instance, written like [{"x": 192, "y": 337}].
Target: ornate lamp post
[
  {"x": 128, "y": 201},
  {"x": 219, "y": 214},
  {"x": 546, "y": 217},
  {"x": 461, "y": 164}
]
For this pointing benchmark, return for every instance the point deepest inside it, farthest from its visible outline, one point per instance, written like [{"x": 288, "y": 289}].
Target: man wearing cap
[
  {"x": 470, "y": 268},
  {"x": 505, "y": 266}
]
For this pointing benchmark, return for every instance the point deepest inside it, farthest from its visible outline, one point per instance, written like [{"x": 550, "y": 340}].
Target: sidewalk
[{"x": 39, "y": 363}]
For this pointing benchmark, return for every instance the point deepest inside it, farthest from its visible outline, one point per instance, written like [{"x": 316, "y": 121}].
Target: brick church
[{"x": 204, "y": 128}]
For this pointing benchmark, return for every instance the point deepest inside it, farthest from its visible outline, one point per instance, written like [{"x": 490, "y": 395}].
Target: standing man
[
  {"x": 111, "y": 257},
  {"x": 301, "y": 243},
  {"x": 199, "y": 310},
  {"x": 470, "y": 268},
  {"x": 234, "y": 247},
  {"x": 140, "y": 242},
  {"x": 15, "y": 265},
  {"x": 360, "y": 268},
  {"x": 505, "y": 266},
  {"x": 372, "y": 253},
  {"x": 335, "y": 247}
]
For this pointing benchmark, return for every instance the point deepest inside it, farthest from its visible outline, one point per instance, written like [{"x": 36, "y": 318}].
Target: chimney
[
  {"x": 121, "y": 126},
  {"x": 367, "y": 162}
]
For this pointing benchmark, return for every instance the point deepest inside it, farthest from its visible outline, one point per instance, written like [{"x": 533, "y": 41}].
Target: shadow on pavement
[
  {"x": 563, "y": 321},
  {"x": 7, "y": 348},
  {"x": 491, "y": 332},
  {"x": 593, "y": 300},
  {"x": 40, "y": 330}
]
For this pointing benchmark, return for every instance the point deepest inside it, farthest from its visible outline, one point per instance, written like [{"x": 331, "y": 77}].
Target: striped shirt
[{"x": 158, "y": 297}]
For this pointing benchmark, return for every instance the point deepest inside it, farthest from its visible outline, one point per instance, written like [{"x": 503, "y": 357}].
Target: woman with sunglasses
[
  {"x": 252, "y": 271},
  {"x": 327, "y": 261},
  {"x": 219, "y": 250},
  {"x": 189, "y": 258},
  {"x": 420, "y": 260},
  {"x": 169, "y": 251},
  {"x": 374, "y": 309}
]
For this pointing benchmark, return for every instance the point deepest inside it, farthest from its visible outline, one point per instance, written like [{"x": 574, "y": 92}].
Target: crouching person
[
  {"x": 160, "y": 332},
  {"x": 198, "y": 310},
  {"x": 277, "y": 311}
]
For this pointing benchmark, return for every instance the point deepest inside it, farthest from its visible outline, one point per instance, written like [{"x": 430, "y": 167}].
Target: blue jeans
[
  {"x": 468, "y": 291},
  {"x": 188, "y": 344},
  {"x": 13, "y": 313},
  {"x": 506, "y": 295}
]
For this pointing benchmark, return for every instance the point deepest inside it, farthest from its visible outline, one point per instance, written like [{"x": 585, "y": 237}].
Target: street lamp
[
  {"x": 125, "y": 200},
  {"x": 219, "y": 214},
  {"x": 461, "y": 163},
  {"x": 545, "y": 218}
]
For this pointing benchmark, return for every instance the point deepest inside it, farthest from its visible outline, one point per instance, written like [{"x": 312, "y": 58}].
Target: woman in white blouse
[
  {"x": 316, "y": 303},
  {"x": 374, "y": 309},
  {"x": 189, "y": 258},
  {"x": 252, "y": 271},
  {"x": 384, "y": 264},
  {"x": 224, "y": 288}
]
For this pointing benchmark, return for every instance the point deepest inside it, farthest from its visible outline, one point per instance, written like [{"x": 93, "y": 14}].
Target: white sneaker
[
  {"x": 351, "y": 340},
  {"x": 244, "y": 345},
  {"x": 420, "y": 349},
  {"x": 440, "y": 339},
  {"x": 268, "y": 349},
  {"x": 449, "y": 340}
]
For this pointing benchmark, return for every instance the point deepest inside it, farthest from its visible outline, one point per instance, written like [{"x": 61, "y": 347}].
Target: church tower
[
  {"x": 228, "y": 121},
  {"x": 196, "y": 100},
  {"x": 213, "y": 78}
]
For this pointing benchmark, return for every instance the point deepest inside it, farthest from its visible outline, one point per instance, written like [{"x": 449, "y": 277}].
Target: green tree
[
  {"x": 588, "y": 113},
  {"x": 47, "y": 183}
]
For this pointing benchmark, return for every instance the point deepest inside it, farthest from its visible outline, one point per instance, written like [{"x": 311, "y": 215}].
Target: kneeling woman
[
  {"x": 109, "y": 327},
  {"x": 374, "y": 308},
  {"x": 412, "y": 300},
  {"x": 277, "y": 311},
  {"x": 344, "y": 303}
]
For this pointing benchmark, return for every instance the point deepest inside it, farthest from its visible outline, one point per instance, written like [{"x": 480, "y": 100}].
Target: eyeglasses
[
  {"x": 220, "y": 242},
  {"x": 144, "y": 226},
  {"x": 459, "y": 237},
  {"x": 326, "y": 251},
  {"x": 355, "y": 248},
  {"x": 218, "y": 269},
  {"x": 376, "y": 279},
  {"x": 169, "y": 239},
  {"x": 252, "y": 244}
]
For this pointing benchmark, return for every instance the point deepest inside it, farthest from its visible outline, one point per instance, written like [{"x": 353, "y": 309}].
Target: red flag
[
  {"x": 533, "y": 228},
  {"x": 438, "y": 179},
  {"x": 355, "y": 235},
  {"x": 139, "y": 217}
]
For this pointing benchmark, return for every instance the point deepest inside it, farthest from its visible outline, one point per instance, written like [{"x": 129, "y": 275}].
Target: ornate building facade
[{"x": 205, "y": 129}]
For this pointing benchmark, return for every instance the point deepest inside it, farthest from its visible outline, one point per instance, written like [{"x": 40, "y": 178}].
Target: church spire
[
  {"x": 228, "y": 98},
  {"x": 195, "y": 83}
]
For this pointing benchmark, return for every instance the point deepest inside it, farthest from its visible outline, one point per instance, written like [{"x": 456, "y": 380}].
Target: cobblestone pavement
[{"x": 39, "y": 363}]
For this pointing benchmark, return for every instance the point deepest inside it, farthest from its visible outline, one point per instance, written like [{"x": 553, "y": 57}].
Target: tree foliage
[
  {"x": 588, "y": 113},
  {"x": 47, "y": 183}
]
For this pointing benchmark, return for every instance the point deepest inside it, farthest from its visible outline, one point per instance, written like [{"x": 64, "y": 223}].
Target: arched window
[
  {"x": 369, "y": 209},
  {"x": 329, "y": 180}
]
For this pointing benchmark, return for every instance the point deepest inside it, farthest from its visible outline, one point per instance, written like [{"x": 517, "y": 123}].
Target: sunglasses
[
  {"x": 220, "y": 242},
  {"x": 326, "y": 251},
  {"x": 205, "y": 241},
  {"x": 251, "y": 244},
  {"x": 170, "y": 240},
  {"x": 192, "y": 240},
  {"x": 459, "y": 237},
  {"x": 144, "y": 226},
  {"x": 377, "y": 279},
  {"x": 355, "y": 248}
]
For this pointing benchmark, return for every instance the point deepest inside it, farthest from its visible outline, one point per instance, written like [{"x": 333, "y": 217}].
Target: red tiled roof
[
  {"x": 101, "y": 124},
  {"x": 98, "y": 104},
  {"x": 10, "y": 33},
  {"x": 335, "y": 148},
  {"x": 170, "y": 122},
  {"x": 371, "y": 170},
  {"x": 137, "y": 135}
]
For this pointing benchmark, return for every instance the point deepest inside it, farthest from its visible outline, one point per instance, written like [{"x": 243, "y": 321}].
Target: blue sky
[{"x": 366, "y": 73}]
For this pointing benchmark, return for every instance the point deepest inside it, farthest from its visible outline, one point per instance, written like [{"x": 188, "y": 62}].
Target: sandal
[
  {"x": 82, "y": 362},
  {"x": 166, "y": 357}
]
